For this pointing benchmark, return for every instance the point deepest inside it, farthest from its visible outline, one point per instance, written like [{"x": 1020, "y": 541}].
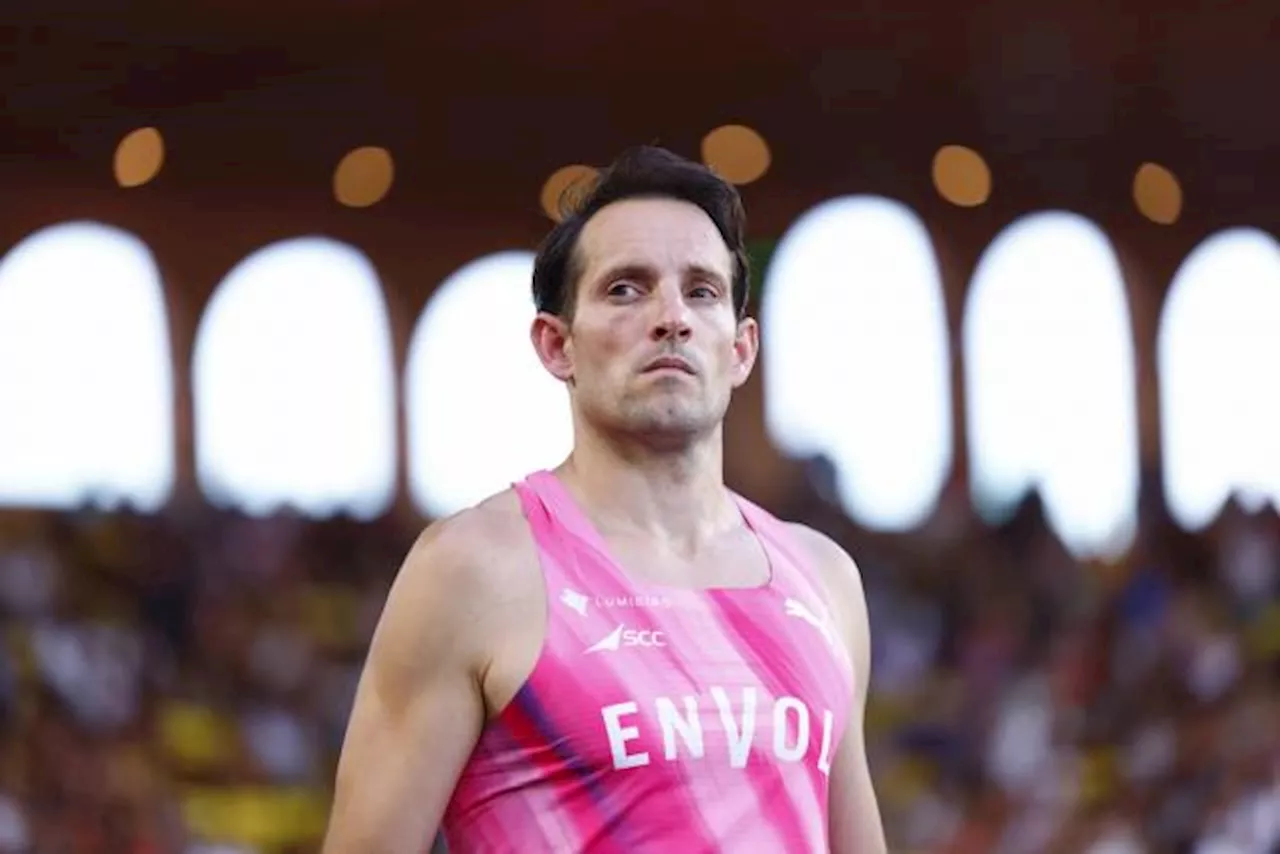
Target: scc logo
[
  {"x": 624, "y": 637},
  {"x": 642, "y": 637}
]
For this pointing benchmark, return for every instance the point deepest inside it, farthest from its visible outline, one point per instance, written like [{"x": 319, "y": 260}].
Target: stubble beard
[{"x": 668, "y": 421}]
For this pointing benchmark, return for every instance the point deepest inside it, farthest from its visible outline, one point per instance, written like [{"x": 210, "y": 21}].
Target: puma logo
[{"x": 801, "y": 612}]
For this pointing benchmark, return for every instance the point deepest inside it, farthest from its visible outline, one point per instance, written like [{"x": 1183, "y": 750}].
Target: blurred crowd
[
  {"x": 180, "y": 682},
  {"x": 1027, "y": 701}
]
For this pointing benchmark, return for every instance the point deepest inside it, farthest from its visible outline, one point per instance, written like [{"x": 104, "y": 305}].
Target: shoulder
[
  {"x": 823, "y": 556},
  {"x": 832, "y": 562},
  {"x": 455, "y": 572},
  {"x": 841, "y": 579},
  {"x": 821, "y": 547},
  {"x": 471, "y": 546},
  {"x": 835, "y": 568}
]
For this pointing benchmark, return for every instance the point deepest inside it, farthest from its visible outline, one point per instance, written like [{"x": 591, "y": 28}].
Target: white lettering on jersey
[
  {"x": 619, "y": 735},
  {"x": 739, "y": 736},
  {"x": 790, "y": 752},
  {"x": 688, "y": 726},
  {"x": 681, "y": 724},
  {"x": 624, "y": 637},
  {"x": 824, "y": 755},
  {"x": 642, "y": 601}
]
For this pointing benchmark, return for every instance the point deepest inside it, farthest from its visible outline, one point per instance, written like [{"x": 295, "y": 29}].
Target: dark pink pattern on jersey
[{"x": 660, "y": 719}]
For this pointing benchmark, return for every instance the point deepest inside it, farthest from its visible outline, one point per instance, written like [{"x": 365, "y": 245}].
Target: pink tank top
[{"x": 660, "y": 719}]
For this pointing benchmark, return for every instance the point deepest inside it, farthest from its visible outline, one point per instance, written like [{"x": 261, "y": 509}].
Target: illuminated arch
[
  {"x": 1217, "y": 352},
  {"x": 86, "y": 371},
  {"x": 856, "y": 356},
  {"x": 293, "y": 384},
  {"x": 1050, "y": 382},
  {"x": 481, "y": 411}
]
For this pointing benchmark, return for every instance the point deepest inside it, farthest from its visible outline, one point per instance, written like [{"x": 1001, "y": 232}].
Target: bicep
[
  {"x": 415, "y": 719},
  {"x": 398, "y": 767}
]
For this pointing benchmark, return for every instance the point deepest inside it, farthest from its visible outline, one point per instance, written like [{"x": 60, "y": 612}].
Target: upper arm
[
  {"x": 855, "y": 823},
  {"x": 418, "y": 709}
]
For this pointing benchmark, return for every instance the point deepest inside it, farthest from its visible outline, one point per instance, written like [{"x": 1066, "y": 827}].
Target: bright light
[
  {"x": 565, "y": 188},
  {"x": 737, "y": 153},
  {"x": 363, "y": 177},
  {"x": 961, "y": 176},
  {"x": 86, "y": 371},
  {"x": 139, "y": 157},
  {"x": 1049, "y": 375},
  {"x": 481, "y": 410},
  {"x": 855, "y": 356},
  {"x": 294, "y": 384},
  {"x": 1216, "y": 353},
  {"x": 1157, "y": 194}
]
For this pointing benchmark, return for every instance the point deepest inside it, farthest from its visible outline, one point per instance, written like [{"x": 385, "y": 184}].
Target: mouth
[{"x": 669, "y": 363}]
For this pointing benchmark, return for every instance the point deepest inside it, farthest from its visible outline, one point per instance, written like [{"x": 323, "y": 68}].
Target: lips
[{"x": 669, "y": 363}]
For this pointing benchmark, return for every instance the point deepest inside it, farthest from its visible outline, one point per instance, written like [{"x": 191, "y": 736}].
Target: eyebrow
[
  {"x": 708, "y": 273},
  {"x": 631, "y": 271},
  {"x": 641, "y": 271}
]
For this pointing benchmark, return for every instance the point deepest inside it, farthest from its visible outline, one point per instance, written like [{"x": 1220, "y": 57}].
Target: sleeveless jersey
[{"x": 657, "y": 718}]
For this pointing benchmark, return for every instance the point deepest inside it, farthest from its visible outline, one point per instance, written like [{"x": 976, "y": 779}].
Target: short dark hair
[{"x": 642, "y": 171}]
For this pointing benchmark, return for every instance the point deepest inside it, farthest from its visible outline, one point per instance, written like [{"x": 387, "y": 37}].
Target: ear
[
  {"x": 550, "y": 337},
  {"x": 746, "y": 346}
]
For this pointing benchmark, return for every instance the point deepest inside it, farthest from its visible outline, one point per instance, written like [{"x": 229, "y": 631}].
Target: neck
[{"x": 677, "y": 496}]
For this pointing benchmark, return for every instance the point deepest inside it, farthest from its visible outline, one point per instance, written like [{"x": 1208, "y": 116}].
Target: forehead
[{"x": 663, "y": 233}]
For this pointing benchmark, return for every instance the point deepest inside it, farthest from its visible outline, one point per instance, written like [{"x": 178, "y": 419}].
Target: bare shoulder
[
  {"x": 420, "y": 703},
  {"x": 470, "y": 546},
  {"x": 452, "y": 577}
]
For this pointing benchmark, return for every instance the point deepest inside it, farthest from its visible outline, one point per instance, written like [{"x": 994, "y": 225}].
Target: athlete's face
[{"x": 653, "y": 347}]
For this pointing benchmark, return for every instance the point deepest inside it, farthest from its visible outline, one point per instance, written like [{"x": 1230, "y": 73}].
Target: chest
[
  {"x": 736, "y": 561},
  {"x": 724, "y": 682}
]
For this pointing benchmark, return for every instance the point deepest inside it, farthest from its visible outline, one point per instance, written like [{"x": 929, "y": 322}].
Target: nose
[{"x": 672, "y": 321}]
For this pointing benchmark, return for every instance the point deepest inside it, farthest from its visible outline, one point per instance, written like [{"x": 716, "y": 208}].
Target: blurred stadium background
[{"x": 263, "y": 312}]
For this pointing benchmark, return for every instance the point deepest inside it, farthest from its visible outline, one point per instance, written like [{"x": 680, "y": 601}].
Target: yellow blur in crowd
[{"x": 181, "y": 682}]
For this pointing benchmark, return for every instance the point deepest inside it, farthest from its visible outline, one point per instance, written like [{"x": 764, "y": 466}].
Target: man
[{"x": 622, "y": 655}]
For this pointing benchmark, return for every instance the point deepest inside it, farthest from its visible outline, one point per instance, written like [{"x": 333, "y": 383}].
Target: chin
[
  {"x": 672, "y": 421},
  {"x": 673, "y": 416}
]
